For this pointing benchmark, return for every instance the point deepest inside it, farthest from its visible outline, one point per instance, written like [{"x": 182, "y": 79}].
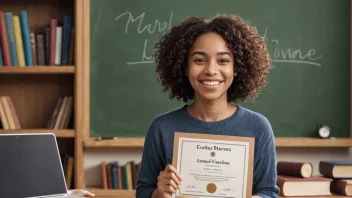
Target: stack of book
[
  {"x": 62, "y": 113},
  {"x": 8, "y": 115},
  {"x": 295, "y": 179},
  {"x": 115, "y": 176},
  {"x": 20, "y": 46},
  {"x": 341, "y": 173}
]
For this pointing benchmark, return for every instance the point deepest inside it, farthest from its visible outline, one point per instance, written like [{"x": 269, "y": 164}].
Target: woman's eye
[
  {"x": 199, "y": 60},
  {"x": 224, "y": 61}
]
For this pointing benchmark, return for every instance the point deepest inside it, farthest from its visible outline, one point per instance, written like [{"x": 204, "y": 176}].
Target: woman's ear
[{"x": 186, "y": 71}]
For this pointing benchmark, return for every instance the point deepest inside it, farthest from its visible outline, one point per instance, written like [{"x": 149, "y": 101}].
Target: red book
[
  {"x": 53, "y": 25},
  {"x": 296, "y": 169},
  {"x": 298, "y": 186},
  {"x": 4, "y": 41}
]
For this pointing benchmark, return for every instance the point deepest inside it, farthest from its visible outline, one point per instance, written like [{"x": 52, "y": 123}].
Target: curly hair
[{"x": 251, "y": 58}]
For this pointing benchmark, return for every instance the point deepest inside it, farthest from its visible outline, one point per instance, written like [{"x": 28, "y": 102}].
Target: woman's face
[{"x": 210, "y": 67}]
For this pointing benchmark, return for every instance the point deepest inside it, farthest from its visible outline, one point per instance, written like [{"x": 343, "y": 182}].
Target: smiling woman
[{"x": 214, "y": 62}]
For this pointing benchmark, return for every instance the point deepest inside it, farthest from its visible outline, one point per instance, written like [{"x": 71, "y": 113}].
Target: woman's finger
[
  {"x": 170, "y": 168},
  {"x": 171, "y": 183},
  {"x": 172, "y": 176},
  {"x": 168, "y": 189}
]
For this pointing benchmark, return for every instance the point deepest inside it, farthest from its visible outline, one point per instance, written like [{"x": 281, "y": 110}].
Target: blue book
[
  {"x": 11, "y": 38},
  {"x": 26, "y": 38},
  {"x": 114, "y": 175},
  {"x": 66, "y": 39},
  {"x": 338, "y": 169}
]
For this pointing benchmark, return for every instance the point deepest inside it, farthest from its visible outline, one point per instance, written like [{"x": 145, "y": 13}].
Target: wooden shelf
[
  {"x": 112, "y": 193},
  {"x": 63, "y": 133},
  {"x": 121, "y": 142},
  {"x": 38, "y": 70},
  {"x": 313, "y": 142},
  {"x": 280, "y": 142}
]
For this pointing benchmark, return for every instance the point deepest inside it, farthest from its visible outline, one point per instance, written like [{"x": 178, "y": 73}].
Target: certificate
[{"x": 214, "y": 165}]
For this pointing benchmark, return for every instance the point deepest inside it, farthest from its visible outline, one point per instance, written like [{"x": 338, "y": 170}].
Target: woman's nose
[{"x": 212, "y": 68}]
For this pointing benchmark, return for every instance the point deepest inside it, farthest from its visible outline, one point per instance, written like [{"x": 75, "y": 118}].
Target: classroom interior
[{"x": 66, "y": 93}]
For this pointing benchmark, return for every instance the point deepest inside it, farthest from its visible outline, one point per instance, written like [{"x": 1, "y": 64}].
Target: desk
[{"x": 333, "y": 196}]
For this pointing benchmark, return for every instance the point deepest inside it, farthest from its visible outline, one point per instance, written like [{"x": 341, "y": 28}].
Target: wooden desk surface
[{"x": 333, "y": 196}]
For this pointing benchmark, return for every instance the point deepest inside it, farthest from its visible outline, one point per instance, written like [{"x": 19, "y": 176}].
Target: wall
[{"x": 94, "y": 156}]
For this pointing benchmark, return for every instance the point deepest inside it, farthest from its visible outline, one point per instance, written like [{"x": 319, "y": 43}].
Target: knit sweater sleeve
[
  {"x": 153, "y": 161},
  {"x": 265, "y": 167}
]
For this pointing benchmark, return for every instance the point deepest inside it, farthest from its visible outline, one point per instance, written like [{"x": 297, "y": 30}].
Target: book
[
  {"x": 53, "y": 25},
  {"x": 104, "y": 177},
  {"x": 336, "y": 169},
  {"x": 33, "y": 47},
  {"x": 9, "y": 116},
  {"x": 19, "y": 41},
  {"x": 296, "y": 169},
  {"x": 342, "y": 187},
  {"x": 4, "y": 41},
  {"x": 4, "y": 121},
  {"x": 40, "y": 49},
  {"x": 298, "y": 186},
  {"x": 11, "y": 38},
  {"x": 13, "y": 112},
  {"x": 26, "y": 38},
  {"x": 58, "y": 45},
  {"x": 66, "y": 39}
]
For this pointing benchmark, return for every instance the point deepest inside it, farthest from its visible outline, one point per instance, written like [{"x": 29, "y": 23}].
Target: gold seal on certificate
[
  {"x": 211, "y": 188},
  {"x": 213, "y": 165}
]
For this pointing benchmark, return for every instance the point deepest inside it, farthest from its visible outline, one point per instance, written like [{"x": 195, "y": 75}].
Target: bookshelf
[{"x": 35, "y": 90}]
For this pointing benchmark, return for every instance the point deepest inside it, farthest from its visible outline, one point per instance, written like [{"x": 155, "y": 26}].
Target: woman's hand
[
  {"x": 169, "y": 181},
  {"x": 80, "y": 192}
]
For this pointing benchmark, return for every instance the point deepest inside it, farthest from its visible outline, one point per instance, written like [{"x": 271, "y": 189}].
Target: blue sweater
[{"x": 158, "y": 147}]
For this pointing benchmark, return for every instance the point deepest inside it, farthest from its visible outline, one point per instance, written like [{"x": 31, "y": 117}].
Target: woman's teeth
[{"x": 211, "y": 83}]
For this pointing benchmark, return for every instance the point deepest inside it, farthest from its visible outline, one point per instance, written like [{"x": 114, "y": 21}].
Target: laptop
[{"x": 30, "y": 166}]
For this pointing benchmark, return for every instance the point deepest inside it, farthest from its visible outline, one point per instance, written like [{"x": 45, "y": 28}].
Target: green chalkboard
[{"x": 308, "y": 40}]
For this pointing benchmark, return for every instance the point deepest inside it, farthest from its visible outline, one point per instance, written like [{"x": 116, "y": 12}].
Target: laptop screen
[{"x": 30, "y": 165}]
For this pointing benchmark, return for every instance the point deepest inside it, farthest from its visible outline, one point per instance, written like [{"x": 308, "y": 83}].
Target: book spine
[
  {"x": 40, "y": 49},
  {"x": 26, "y": 38},
  {"x": 19, "y": 42},
  {"x": 53, "y": 25},
  {"x": 4, "y": 41},
  {"x": 33, "y": 48},
  {"x": 66, "y": 40},
  {"x": 11, "y": 38},
  {"x": 58, "y": 45}
]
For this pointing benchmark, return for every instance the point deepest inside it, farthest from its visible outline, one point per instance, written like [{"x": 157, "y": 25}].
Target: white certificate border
[{"x": 244, "y": 161}]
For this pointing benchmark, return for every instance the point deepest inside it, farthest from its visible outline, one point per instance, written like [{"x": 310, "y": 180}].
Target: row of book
[
  {"x": 20, "y": 46},
  {"x": 60, "y": 117},
  {"x": 297, "y": 179},
  {"x": 62, "y": 113},
  {"x": 8, "y": 115},
  {"x": 118, "y": 176}
]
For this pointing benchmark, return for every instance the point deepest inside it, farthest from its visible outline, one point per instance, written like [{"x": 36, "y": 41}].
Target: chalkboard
[{"x": 308, "y": 41}]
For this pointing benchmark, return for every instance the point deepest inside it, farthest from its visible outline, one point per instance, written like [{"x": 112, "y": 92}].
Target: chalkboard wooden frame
[{"x": 139, "y": 142}]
